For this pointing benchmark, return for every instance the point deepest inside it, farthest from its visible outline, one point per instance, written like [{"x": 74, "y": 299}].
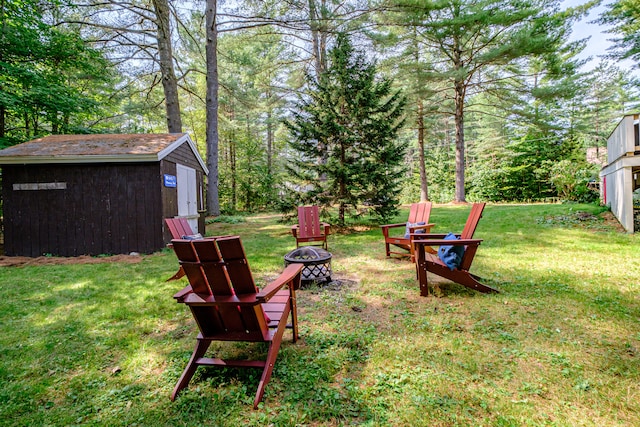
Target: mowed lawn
[{"x": 104, "y": 344}]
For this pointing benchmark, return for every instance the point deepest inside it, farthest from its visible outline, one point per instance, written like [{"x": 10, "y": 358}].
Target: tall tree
[
  {"x": 624, "y": 16},
  {"x": 124, "y": 29},
  {"x": 308, "y": 25},
  {"x": 252, "y": 97},
  {"x": 351, "y": 120},
  {"x": 165, "y": 60},
  {"x": 213, "y": 202},
  {"x": 407, "y": 60},
  {"x": 609, "y": 92},
  {"x": 472, "y": 37}
]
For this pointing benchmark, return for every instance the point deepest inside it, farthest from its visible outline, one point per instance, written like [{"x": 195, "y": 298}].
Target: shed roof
[{"x": 97, "y": 148}]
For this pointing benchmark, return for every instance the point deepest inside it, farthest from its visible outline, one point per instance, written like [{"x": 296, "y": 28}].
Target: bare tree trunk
[
  {"x": 459, "y": 119},
  {"x": 424, "y": 189},
  {"x": 169, "y": 81},
  {"x": 269, "y": 142},
  {"x": 2, "y": 121},
  {"x": 314, "y": 23},
  {"x": 234, "y": 172},
  {"x": 213, "y": 203}
]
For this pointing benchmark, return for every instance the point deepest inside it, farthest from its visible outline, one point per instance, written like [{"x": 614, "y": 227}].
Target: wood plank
[{"x": 237, "y": 266}]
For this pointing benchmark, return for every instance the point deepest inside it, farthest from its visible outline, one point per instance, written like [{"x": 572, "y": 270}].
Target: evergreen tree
[
  {"x": 345, "y": 134},
  {"x": 624, "y": 16}
]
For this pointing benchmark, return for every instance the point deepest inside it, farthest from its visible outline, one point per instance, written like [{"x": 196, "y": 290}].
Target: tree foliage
[
  {"x": 477, "y": 45},
  {"x": 624, "y": 16},
  {"x": 345, "y": 134},
  {"x": 51, "y": 81}
]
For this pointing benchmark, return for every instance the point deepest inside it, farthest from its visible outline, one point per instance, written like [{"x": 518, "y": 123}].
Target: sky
[{"x": 598, "y": 43}]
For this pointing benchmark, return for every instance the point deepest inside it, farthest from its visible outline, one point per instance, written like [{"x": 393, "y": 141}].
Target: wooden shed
[
  {"x": 70, "y": 195},
  {"x": 620, "y": 177}
]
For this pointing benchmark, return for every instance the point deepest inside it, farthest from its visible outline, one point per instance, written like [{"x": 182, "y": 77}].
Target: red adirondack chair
[
  {"x": 178, "y": 227},
  {"x": 432, "y": 263},
  {"x": 227, "y": 306},
  {"x": 418, "y": 220},
  {"x": 309, "y": 228}
]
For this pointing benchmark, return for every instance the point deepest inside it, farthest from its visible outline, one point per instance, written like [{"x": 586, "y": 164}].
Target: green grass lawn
[{"x": 104, "y": 344}]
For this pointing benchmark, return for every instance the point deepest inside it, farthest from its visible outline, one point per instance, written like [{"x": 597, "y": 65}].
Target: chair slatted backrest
[
  {"x": 308, "y": 221},
  {"x": 472, "y": 221},
  {"x": 178, "y": 227},
  {"x": 468, "y": 232},
  {"x": 219, "y": 273},
  {"x": 420, "y": 212}
]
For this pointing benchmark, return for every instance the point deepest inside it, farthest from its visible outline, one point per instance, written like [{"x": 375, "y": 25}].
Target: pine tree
[
  {"x": 345, "y": 134},
  {"x": 478, "y": 45},
  {"x": 624, "y": 17}
]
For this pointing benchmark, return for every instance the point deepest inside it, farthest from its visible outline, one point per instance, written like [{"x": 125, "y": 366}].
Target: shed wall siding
[
  {"x": 105, "y": 209},
  {"x": 184, "y": 156},
  {"x": 620, "y": 197}
]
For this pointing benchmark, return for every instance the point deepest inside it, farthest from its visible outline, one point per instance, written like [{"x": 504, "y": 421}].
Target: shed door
[{"x": 187, "y": 195}]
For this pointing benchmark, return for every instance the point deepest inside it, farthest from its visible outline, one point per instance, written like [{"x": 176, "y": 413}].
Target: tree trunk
[
  {"x": 2, "y": 121},
  {"x": 424, "y": 189},
  {"x": 269, "y": 142},
  {"x": 165, "y": 53},
  {"x": 234, "y": 172},
  {"x": 459, "y": 119},
  {"x": 314, "y": 23},
  {"x": 213, "y": 203}
]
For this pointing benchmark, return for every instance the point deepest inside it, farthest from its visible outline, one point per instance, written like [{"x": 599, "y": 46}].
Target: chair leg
[
  {"x": 421, "y": 272},
  {"x": 470, "y": 281},
  {"x": 272, "y": 354},
  {"x": 180, "y": 273},
  {"x": 201, "y": 348},
  {"x": 293, "y": 309}
]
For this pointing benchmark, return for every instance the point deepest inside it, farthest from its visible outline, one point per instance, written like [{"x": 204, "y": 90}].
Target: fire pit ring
[{"x": 316, "y": 261}]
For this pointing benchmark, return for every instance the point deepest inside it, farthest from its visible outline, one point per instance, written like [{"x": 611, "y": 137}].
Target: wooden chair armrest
[
  {"x": 385, "y": 228},
  {"x": 327, "y": 228},
  {"x": 430, "y": 236},
  {"x": 442, "y": 242},
  {"x": 184, "y": 291},
  {"x": 289, "y": 276},
  {"x": 402, "y": 224},
  {"x": 294, "y": 230},
  {"x": 427, "y": 227}
]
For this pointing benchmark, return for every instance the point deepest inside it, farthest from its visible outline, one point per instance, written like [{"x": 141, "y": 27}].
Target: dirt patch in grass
[
  {"x": 19, "y": 261},
  {"x": 605, "y": 221},
  {"x": 611, "y": 221}
]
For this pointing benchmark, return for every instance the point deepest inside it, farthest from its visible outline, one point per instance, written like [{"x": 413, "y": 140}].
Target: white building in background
[{"x": 620, "y": 177}]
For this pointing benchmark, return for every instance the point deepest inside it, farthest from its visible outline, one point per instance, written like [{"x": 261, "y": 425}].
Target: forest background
[{"x": 488, "y": 115}]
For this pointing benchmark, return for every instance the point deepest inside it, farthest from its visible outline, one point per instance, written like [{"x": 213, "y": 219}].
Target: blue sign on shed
[{"x": 170, "y": 180}]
